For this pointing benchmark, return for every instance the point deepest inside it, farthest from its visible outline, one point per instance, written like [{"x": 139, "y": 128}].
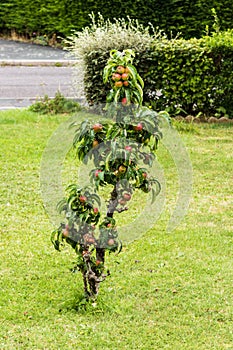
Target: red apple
[
  {"x": 118, "y": 84},
  {"x": 95, "y": 210},
  {"x": 122, "y": 201},
  {"x": 125, "y": 76},
  {"x": 138, "y": 127},
  {"x": 111, "y": 241},
  {"x": 97, "y": 127},
  {"x": 97, "y": 172},
  {"x": 120, "y": 69},
  {"x": 82, "y": 199},
  {"x": 65, "y": 233},
  {"x": 128, "y": 148},
  {"x": 89, "y": 239},
  {"x": 116, "y": 77},
  {"x": 95, "y": 143},
  {"x": 124, "y": 101},
  {"x": 127, "y": 197}
]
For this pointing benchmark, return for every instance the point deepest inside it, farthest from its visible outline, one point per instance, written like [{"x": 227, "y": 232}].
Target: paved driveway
[
  {"x": 21, "y": 85},
  {"x": 29, "y": 71}
]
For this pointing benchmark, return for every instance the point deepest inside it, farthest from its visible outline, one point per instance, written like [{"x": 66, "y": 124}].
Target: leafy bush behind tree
[
  {"x": 181, "y": 76},
  {"x": 61, "y": 17}
]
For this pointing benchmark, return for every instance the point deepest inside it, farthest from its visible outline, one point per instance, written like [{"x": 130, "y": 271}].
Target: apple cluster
[{"x": 121, "y": 78}]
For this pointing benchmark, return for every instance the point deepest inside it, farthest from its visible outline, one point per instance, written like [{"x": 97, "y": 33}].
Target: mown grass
[{"x": 166, "y": 290}]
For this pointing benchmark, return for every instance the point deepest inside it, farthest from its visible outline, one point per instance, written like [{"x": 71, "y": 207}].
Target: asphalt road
[
  {"x": 18, "y": 51},
  {"x": 21, "y": 85},
  {"x": 29, "y": 72}
]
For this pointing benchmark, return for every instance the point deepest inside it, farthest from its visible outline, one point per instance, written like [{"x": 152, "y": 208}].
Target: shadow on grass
[{"x": 82, "y": 305}]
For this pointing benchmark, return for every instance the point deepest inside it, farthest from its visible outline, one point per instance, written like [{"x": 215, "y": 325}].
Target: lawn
[{"x": 166, "y": 290}]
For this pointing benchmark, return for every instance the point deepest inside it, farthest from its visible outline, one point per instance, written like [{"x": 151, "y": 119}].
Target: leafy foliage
[
  {"x": 180, "y": 76},
  {"x": 61, "y": 17},
  {"x": 58, "y": 104},
  {"x": 126, "y": 84},
  {"x": 91, "y": 46}
]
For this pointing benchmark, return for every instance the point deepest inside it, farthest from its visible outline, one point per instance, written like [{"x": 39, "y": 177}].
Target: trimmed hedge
[
  {"x": 190, "y": 76},
  {"x": 61, "y": 17},
  {"x": 181, "y": 76}
]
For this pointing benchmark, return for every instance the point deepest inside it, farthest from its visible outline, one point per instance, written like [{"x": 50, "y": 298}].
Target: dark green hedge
[
  {"x": 60, "y": 17},
  {"x": 181, "y": 76}
]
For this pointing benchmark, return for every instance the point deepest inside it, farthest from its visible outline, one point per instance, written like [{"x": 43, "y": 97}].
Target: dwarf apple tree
[{"x": 122, "y": 148}]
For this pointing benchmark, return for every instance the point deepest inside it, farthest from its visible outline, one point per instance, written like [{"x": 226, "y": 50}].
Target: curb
[
  {"x": 35, "y": 63},
  {"x": 25, "y": 102}
]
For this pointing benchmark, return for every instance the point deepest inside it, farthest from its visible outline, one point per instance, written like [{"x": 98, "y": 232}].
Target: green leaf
[
  {"x": 117, "y": 95},
  {"x": 128, "y": 94},
  {"x": 132, "y": 72},
  {"x": 138, "y": 97},
  {"x": 138, "y": 87},
  {"x": 141, "y": 82},
  {"x": 101, "y": 176}
]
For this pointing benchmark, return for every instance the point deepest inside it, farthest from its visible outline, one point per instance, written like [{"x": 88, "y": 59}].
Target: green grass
[{"x": 166, "y": 290}]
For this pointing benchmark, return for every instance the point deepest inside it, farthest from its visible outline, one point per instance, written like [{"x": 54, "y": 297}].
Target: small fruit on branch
[
  {"x": 120, "y": 69},
  {"x": 111, "y": 242},
  {"x": 138, "y": 127},
  {"x": 127, "y": 197},
  {"x": 124, "y": 101},
  {"x": 88, "y": 239},
  {"x": 95, "y": 143},
  {"x": 125, "y": 76},
  {"x": 97, "y": 127},
  {"x": 118, "y": 84},
  {"x": 125, "y": 83},
  {"x": 97, "y": 172},
  {"x": 128, "y": 148},
  {"x": 122, "y": 201},
  {"x": 65, "y": 232},
  {"x": 82, "y": 199},
  {"x": 116, "y": 77},
  {"x": 95, "y": 210}
]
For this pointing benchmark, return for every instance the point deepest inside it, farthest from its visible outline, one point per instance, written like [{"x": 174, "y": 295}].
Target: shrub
[
  {"x": 220, "y": 46},
  {"x": 180, "y": 76},
  {"x": 56, "y": 105},
  {"x": 92, "y": 45}
]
